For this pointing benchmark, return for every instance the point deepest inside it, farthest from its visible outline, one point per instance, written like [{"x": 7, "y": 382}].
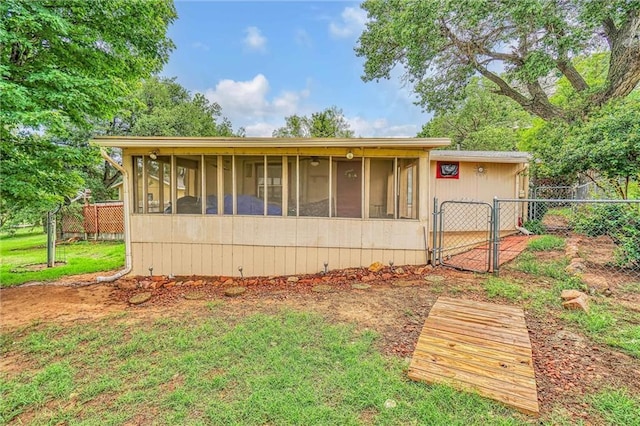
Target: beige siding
[
  {"x": 497, "y": 180},
  {"x": 211, "y": 259}
]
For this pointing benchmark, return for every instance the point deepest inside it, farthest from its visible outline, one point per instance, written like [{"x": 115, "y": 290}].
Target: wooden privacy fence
[{"x": 99, "y": 221}]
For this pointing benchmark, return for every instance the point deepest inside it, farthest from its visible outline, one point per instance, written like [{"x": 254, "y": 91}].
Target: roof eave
[{"x": 222, "y": 142}]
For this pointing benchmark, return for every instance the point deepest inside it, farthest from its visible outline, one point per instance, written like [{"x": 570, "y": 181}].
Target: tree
[
  {"x": 64, "y": 65},
  {"x": 162, "y": 107},
  {"x": 329, "y": 123},
  {"x": 73, "y": 61},
  {"x": 443, "y": 44},
  {"x": 481, "y": 121},
  {"x": 609, "y": 142},
  {"x": 603, "y": 146}
]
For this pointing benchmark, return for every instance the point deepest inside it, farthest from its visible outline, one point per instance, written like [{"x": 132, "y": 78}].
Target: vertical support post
[
  {"x": 434, "y": 230},
  {"x": 51, "y": 239},
  {"x": 496, "y": 235},
  {"x": 95, "y": 221}
]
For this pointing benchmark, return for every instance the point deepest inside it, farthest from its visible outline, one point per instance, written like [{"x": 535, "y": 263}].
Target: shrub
[
  {"x": 535, "y": 226},
  {"x": 620, "y": 221}
]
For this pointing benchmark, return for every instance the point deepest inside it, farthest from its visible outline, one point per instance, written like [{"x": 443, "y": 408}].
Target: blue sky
[{"x": 263, "y": 61}]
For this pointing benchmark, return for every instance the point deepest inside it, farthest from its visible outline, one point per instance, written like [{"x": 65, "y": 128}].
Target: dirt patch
[{"x": 34, "y": 303}]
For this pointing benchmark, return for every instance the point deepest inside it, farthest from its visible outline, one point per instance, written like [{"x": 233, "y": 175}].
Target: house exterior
[{"x": 268, "y": 206}]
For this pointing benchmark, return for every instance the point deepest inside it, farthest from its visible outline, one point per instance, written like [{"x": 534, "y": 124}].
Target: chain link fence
[
  {"x": 599, "y": 240},
  {"x": 99, "y": 221}
]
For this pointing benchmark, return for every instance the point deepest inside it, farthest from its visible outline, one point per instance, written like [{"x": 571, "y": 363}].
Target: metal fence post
[
  {"x": 496, "y": 235},
  {"x": 434, "y": 228}
]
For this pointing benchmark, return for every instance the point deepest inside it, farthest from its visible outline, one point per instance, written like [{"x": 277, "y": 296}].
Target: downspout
[{"x": 127, "y": 223}]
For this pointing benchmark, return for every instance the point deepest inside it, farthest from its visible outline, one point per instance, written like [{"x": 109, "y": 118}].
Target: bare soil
[{"x": 567, "y": 363}]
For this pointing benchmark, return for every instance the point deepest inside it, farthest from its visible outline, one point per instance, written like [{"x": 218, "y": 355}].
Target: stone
[
  {"x": 570, "y": 294},
  {"x": 360, "y": 286},
  {"x": 399, "y": 271},
  {"x": 188, "y": 283},
  {"x": 228, "y": 281},
  {"x": 170, "y": 284},
  {"x": 390, "y": 403},
  {"x": 368, "y": 278},
  {"x": 376, "y": 267},
  {"x": 434, "y": 278},
  {"x": 194, "y": 295},
  {"x": 571, "y": 251},
  {"x": 579, "y": 303},
  {"x": 157, "y": 278},
  {"x": 386, "y": 276},
  {"x": 139, "y": 298},
  {"x": 576, "y": 266},
  {"x": 235, "y": 291},
  {"x": 322, "y": 288},
  {"x": 198, "y": 283},
  {"x": 422, "y": 270},
  {"x": 144, "y": 284},
  {"x": 293, "y": 279}
]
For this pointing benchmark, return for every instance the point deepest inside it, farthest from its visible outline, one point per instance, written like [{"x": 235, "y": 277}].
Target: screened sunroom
[{"x": 213, "y": 206}]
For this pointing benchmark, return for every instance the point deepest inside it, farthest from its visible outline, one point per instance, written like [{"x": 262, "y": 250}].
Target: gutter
[{"x": 127, "y": 221}]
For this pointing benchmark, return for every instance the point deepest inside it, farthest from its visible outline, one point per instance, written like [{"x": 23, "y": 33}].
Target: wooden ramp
[{"x": 478, "y": 346}]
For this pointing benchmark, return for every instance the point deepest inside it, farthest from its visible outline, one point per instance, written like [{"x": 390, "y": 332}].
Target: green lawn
[
  {"x": 290, "y": 368},
  {"x": 28, "y": 247}
]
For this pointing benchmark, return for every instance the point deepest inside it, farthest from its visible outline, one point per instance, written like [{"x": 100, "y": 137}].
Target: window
[
  {"x": 381, "y": 193},
  {"x": 448, "y": 170},
  {"x": 314, "y": 186},
  {"x": 152, "y": 186},
  {"x": 188, "y": 184},
  {"x": 408, "y": 189},
  {"x": 212, "y": 177},
  {"x": 308, "y": 186},
  {"x": 249, "y": 172},
  {"x": 270, "y": 185}
]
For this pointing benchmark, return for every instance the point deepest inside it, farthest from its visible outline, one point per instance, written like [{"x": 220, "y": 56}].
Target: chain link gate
[{"x": 462, "y": 235}]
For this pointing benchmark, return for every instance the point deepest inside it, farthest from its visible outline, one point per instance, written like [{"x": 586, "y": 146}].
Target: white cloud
[
  {"x": 247, "y": 104},
  {"x": 380, "y": 127},
  {"x": 198, "y": 45},
  {"x": 260, "y": 129},
  {"x": 351, "y": 23},
  {"x": 255, "y": 40}
]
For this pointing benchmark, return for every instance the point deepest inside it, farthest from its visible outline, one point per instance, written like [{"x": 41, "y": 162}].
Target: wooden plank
[
  {"x": 499, "y": 359},
  {"x": 526, "y": 403},
  {"x": 493, "y": 307},
  {"x": 502, "y": 321},
  {"x": 493, "y": 333},
  {"x": 445, "y": 306},
  {"x": 480, "y": 346},
  {"x": 514, "y": 374},
  {"x": 453, "y": 338},
  {"x": 508, "y": 383}
]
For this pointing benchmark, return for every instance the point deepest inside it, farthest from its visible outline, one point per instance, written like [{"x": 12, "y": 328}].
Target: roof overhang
[
  {"x": 223, "y": 142},
  {"x": 482, "y": 156}
]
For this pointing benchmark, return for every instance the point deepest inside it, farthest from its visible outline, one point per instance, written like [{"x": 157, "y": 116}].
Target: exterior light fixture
[
  {"x": 153, "y": 155},
  {"x": 480, "y": 168},
  {"x": 349, "y": 155},
  {"x": 315, "y": 162}
]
